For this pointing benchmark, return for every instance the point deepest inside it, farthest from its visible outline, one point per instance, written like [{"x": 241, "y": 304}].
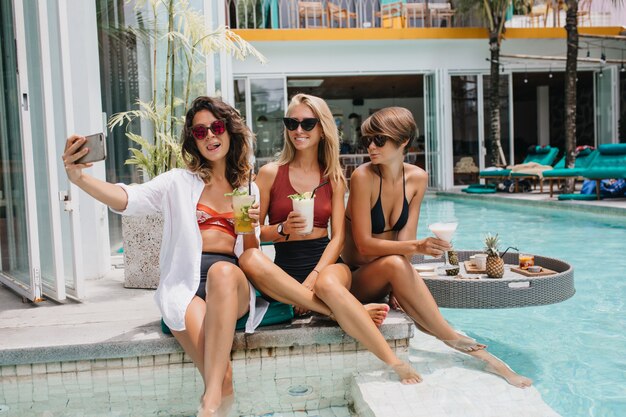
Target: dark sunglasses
[
  {"x": 307, "y": 124},
  {"x": 200, "y": 132},
  {"x": 379, "y": 140}
]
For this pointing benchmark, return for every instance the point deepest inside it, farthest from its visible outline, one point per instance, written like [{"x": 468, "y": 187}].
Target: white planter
[{"x": 142, "y": 244}]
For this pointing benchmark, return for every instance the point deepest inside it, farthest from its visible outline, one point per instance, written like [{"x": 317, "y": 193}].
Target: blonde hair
[
  {"x": 328, "y": 148},
  {"x": 397, "y": 123}
]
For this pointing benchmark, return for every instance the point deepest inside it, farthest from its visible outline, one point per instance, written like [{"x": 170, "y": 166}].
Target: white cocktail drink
[
  {"x": 443, "y": 231},
  {"x": 243, "y": 223},
  {"x": 305, "y": 207}
]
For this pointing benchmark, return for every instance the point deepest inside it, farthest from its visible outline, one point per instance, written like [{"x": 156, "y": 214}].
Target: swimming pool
[{"x": 574, "y": 350}]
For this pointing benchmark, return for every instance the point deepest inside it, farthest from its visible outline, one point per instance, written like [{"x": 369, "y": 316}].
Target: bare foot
[
  {"x": 406, "y": 373},
  {"x": 465, "y": 344},
  {"x": 501, "y": 369},
  {"x": 377, "y": 312}
]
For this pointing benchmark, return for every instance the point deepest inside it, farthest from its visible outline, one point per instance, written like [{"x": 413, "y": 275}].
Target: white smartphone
[{"x": 97, "y": 149}]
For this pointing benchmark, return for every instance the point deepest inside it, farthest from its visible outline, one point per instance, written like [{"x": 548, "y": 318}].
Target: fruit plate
[
  {"x": 470, "y": 268},
  {"x": 544, "y": 271}
]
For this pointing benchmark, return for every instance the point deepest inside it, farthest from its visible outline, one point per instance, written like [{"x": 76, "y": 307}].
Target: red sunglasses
[{"x": 200, "y": 132}]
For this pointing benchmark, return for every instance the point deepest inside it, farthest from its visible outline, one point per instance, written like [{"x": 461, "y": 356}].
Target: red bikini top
[{"x": 211, "y": 219}]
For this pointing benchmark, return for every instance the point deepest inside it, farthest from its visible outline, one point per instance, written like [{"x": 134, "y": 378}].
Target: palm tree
[
  {"x": 178, "y": 36},
  {"x": 571, "y": 27}
]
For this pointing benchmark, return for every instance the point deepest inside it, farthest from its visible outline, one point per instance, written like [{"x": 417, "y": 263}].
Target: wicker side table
[{"x": 512, "y": 290}]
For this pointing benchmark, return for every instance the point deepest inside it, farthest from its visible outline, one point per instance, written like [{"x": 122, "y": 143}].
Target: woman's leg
[
  {"x": 210, "y": 329},
  {"x": 273, "y": 281},
  {"x": 332, "y": 287},
  {"x": 228, "y": 298},
  {"x": 276, "y": 283},
  {"x": 192, "y": 341},
  {"x": 395, "y": 273}
]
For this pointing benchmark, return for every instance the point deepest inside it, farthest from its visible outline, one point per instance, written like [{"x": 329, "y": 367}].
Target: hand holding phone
[{"x": 97, "y": 149}]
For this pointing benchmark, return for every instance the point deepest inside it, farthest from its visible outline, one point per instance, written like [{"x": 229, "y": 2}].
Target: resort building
[{"x": 68, "y": 67}]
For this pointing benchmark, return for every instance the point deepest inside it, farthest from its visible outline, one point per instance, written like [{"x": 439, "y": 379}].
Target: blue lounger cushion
[
  {"x": 564, "y": 172},
  {"x": 602, "y": 173},
  {"x": 613, "y": 149},
  {"x": 476, "y": 190},
  {"x": 586, "y": 197}
]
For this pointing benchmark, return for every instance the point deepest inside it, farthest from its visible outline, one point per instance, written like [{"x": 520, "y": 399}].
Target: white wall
[{"x": 304, "y": 58}]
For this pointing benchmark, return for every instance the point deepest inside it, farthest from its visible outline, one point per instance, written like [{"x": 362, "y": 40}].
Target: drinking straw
[
  {"x": 250, "y": 183},
  {"x": 315, "y": 189}
]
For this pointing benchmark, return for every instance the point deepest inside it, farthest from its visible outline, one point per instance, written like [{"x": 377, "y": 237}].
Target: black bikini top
[{"x": 378, "y": 217}]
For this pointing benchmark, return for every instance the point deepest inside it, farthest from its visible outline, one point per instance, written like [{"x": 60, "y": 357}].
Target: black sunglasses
[
  {"x": 379, "y": 140},
  {"x": 200, "y": 132},
  {"x": 307, "y": 124}
]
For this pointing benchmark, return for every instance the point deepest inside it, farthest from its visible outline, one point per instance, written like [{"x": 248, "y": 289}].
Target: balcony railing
[{"x": 396, "y": 14}]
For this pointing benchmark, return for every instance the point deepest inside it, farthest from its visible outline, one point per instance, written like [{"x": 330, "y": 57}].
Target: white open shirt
[{"x": 175, "y": 195}]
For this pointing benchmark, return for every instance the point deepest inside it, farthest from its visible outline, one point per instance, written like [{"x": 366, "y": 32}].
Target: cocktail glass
[
  {"x": 243, "y": 223},
  {"x": 445, "y": 231},
  {"x": 305, "y": 207}
]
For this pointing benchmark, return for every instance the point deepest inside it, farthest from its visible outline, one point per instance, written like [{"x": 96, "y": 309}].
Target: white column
[{"x": 543, "y": 115}]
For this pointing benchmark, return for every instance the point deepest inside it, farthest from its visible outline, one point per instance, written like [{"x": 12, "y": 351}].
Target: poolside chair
[
  {"x": 609, "y": 163},
  {"x": 541, "y": 155},
  {"x": 583, "y": 160},
  {"x": 340, "y": 15}
]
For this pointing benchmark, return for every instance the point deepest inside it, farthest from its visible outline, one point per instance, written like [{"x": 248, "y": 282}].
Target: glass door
[
  {"x": 606, "y": 105},
  {"x": 19, "y": 265},
  {"x": 464, "y": 91},
  {"x": 263, "y": 102},
  {"x": 432, "y": 131}
]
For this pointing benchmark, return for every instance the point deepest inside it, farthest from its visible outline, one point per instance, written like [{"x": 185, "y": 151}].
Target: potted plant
[
  {"x": 495, "y": 264},
  {"x": 180, "y": 42}
]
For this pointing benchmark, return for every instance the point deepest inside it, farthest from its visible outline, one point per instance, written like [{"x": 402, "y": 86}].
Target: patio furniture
[
  {"x": 609, "y": 163},
  {"x": 537, "y": 14},
  {"x": 544, "y": 155},
  {"x": 512, "y": 290},
  {"x": 583, "y": 160},
  {"x": 391, "y": 14},
  {"x": 441, "y": 12},
  {"x": 339, "y": 15},
  {"x": 466, "y": 167},
  {"x": 413, "y": 12},
  {"x": 312, "y": 11}
]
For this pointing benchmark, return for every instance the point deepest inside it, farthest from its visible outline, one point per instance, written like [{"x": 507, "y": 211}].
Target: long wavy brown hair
[
  {"x": 328, "y": 148},
  {"x": 238, "y": 164},
  {"x": 397, "y": 123}
]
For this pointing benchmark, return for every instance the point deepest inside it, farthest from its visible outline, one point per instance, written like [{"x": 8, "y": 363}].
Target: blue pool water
[{"x": 574, "y": 350}]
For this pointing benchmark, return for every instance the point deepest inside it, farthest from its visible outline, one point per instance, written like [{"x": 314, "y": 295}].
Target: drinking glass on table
[{"x": 445, "y": 231}]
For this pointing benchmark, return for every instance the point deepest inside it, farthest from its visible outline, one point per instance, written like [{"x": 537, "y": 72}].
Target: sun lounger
[
  {"x": 540, "y": 155},
  {"x": 609, "y": 163},
  {"x": 583, "y": 160}
]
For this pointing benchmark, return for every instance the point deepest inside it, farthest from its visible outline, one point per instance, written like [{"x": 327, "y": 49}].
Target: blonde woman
[
  {"x": 310, "y": 159},
  {"x": 382, "y": 212},
  {"x": 202, "y": 292}
]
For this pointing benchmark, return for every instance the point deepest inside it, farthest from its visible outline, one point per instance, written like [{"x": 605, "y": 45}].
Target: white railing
[{"x": 296, "y": 14}]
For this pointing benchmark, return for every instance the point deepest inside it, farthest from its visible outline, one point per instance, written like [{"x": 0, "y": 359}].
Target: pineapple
[
  {"x": 495, "y": 264},
  {"x": 454, "y": 260}
]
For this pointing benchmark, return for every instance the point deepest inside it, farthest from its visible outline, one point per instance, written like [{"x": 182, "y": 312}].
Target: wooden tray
[
  {"x": 471, "y": 268},
  {"x": 544, "y": 271}
]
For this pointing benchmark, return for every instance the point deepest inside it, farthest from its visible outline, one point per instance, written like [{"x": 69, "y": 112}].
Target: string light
[
  {"x": 526, "y": 75},
  {"x": 550, "y": 73}
]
